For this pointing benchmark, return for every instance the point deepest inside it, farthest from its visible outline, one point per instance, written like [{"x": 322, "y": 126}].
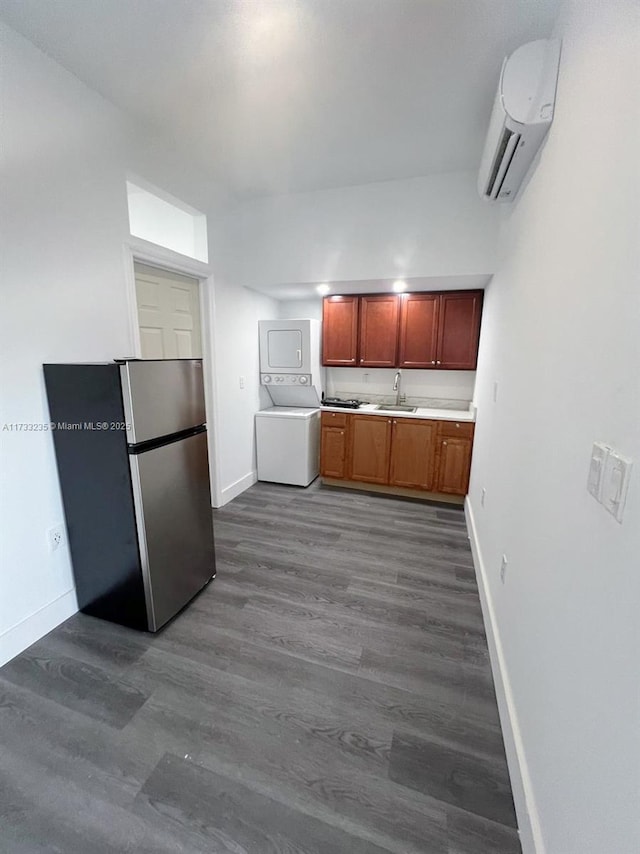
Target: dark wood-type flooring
[{"x": 328, "y": 693}]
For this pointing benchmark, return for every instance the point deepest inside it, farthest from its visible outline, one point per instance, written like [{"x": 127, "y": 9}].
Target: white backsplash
[{"x": 437, "y": 389}]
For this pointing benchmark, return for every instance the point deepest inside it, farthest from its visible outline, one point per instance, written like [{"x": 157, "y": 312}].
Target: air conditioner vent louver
[
  {"x": 504, "y": 156},
  {"x": 522, "y": 114}
]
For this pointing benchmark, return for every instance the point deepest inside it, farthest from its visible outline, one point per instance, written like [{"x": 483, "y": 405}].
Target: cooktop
[{"x": 350, "y": 403}]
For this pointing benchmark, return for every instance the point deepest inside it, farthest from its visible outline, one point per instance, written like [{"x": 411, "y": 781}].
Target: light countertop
[{"x": 421, "y": 412}]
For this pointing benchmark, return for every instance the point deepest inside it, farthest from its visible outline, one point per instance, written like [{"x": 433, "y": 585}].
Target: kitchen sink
[{"x": 396, "y": 407}]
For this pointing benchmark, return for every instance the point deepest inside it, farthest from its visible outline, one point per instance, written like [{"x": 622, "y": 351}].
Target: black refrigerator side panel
[{"x": 95, "y": 480}]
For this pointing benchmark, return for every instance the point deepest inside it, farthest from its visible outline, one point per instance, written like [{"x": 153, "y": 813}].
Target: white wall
[
  {"x": 306, "y": 308},
  {"x": 167, "y": 223},
  {"x": 67, "y": 154},
  {"x": 432, "y": 226},
  {"x": 63, "y": 298},
  {"x": 561, "y": 337},
  {"x": 237, "y": 312}
]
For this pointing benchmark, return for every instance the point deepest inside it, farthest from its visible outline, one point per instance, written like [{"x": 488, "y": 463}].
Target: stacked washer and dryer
[{"x": 288, "y": 433}]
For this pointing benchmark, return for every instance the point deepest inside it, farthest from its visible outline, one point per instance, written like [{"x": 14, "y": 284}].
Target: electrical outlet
[
  {"x": 55, "y": 536},
  {"x": 503, "y": 568},
  {"x": 483, "y": 496}
]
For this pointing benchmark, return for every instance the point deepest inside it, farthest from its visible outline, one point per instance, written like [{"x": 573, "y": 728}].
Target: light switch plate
[
  {"x": 599, "y": 454},
  {"x": 615, "y": 483}
]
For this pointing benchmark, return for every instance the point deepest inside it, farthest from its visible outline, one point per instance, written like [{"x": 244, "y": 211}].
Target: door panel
[
  {"x": 418, "y": 330},
  {"x": 168, "y": 314},
  {"x": 454, "y": 466},
  {"x": 333, "y": 452},
  {"x": 379, "y": 317},
  {"x": 340, "y": 331},
  {"x": 459, "y": 330},
  {"x": 413, "y": 448},
  {"x": 151, "y": 343},
  {"x": 173, "y": 509},
  {"x": 285, "y": 346},
  {"x": 370, "y": 445},
  {"x": 284, "y": 349},
  {"x": 183, "y": 343}
]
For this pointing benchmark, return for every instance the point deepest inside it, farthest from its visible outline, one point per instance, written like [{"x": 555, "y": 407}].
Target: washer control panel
[{"x": 285, "y": 379}]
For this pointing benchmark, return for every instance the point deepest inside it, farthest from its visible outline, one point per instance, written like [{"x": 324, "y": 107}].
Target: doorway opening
[{"x": 169, "y": 315}]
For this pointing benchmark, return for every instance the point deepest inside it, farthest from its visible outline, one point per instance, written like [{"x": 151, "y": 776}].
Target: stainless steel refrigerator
[{"x": 131, "y": 447}]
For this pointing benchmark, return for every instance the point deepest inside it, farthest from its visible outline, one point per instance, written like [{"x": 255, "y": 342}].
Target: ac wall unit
[{"x": 522, "y": 114}]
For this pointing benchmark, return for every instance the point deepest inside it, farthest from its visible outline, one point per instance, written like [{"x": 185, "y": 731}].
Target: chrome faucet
[{"x": 396, "y": 386}]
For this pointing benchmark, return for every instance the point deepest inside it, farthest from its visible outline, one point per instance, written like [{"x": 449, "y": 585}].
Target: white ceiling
[{"x": 289, "y": 95}]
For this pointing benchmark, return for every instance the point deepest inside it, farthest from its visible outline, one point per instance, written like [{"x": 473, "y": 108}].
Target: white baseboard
[
  {"x": 16, "y": 639},
  {"x": 233, "y": 490},
  {"x": 526, "y": 811}
]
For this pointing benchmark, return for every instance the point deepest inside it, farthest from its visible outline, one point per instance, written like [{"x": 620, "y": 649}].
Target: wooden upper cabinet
[
  {"x": 370, "y": 446},
  {"x": 459, "y": 330},
  {"x": 418, "y": 330},
  {"x": 340, "y": 331},
  {"x": 415, "y": 330},
  {"x": 379, "y": 317},
  {"x": 413, "y": 452}
]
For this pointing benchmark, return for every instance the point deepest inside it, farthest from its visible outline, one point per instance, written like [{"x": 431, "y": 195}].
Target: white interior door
[{"x": 168, "y": 314}]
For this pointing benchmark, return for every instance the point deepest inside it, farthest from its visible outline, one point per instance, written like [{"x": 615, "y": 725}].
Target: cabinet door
[
  {"x": 379, "y": 317},
  {"x": 340, "y": 331},
  {"x": 370, "y": 444},
  {"x": 459, "y": 330},
  {"x": 418, "y": 330},
  {"x": 333, "y": 452},
  {"x": 454, "y": 465},
  {"x": 413, "y": 446}
]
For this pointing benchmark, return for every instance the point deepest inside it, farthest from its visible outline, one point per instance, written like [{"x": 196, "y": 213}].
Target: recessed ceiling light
[
  {"x": 399, "y": 286},
  {"x": 323, "y": 289}
]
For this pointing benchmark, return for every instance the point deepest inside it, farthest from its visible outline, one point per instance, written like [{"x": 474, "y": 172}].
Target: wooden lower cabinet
[
  {"x": 370, "y": 445},
  {"x": 411, "y": 453},
  {"x": 334, "y": 444},
  {"x": 413, "y": 447},
  {"x": 454, "y": 463},
  {"x": 333, "y": 455}
]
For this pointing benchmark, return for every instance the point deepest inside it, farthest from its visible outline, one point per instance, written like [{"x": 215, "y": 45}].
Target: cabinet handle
[
  {"x": 342, "y": 432},
  {"x": 444, "y": 443},
  {"x": 433, "y": 363},
  {"x": 389, "y": 421},
  {"x": 361, "y": 361},
  {"x": 299, "y": 355},
  {"x": 438, "y": 362}
]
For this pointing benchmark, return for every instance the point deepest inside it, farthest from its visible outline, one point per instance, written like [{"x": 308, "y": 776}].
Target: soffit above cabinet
[{"x": 309, "y": 290}]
